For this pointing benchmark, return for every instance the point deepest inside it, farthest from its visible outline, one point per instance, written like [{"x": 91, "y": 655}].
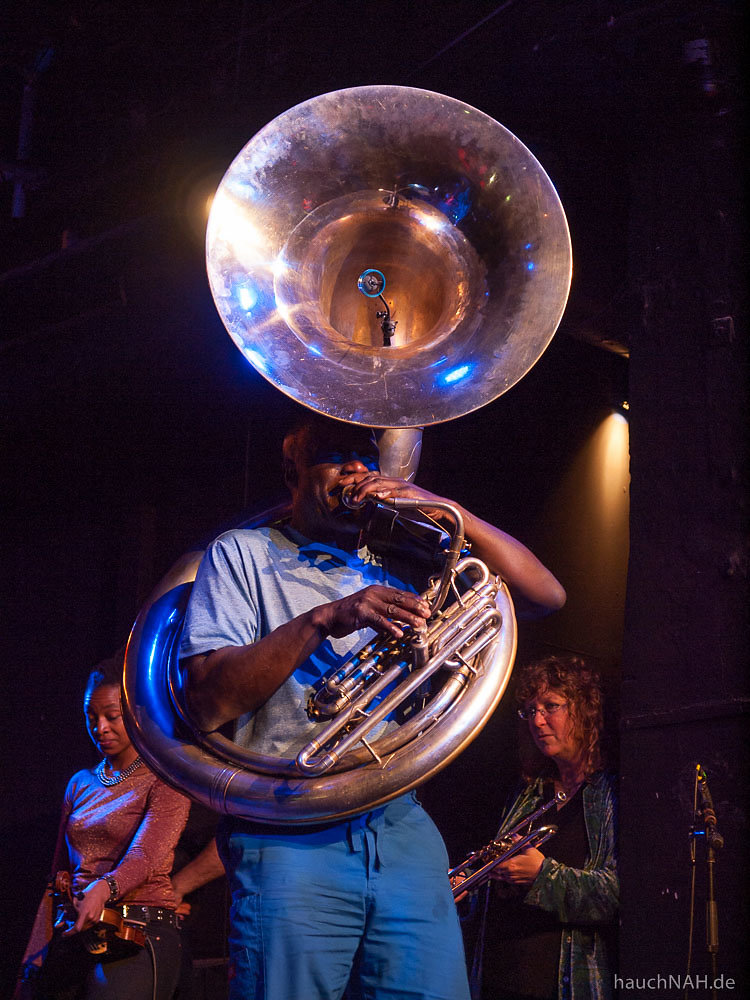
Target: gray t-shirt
[{"x": 252, "y": 581}]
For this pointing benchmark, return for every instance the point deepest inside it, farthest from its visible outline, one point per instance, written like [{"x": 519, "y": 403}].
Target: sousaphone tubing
[{"x": 394, "y": 258}]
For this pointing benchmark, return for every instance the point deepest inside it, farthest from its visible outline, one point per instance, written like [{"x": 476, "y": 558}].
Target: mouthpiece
[{"x": 347, "y": 499}]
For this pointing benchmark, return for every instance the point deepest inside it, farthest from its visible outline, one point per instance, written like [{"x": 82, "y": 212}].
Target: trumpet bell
[{"x": 453, "y": 210}]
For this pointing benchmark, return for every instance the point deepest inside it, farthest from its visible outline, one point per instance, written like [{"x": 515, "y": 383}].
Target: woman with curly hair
[{"x": 548, "y": 913}]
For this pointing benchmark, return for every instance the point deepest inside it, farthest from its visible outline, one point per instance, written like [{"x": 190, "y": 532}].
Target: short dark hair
[
  {"x": 106, "y": 673},
  {"x": 582, "y": 688},
  {"x": 308, "y": 434}
]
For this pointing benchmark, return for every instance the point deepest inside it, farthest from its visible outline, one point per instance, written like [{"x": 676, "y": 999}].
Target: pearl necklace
[{"x": 115, "y": 779}]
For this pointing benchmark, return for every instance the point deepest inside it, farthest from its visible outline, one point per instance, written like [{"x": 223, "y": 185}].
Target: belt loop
[
  {"x": 376, "y": 825},
  {"x": 371, "y": 850},
  {"x": 354, "y": 843}
]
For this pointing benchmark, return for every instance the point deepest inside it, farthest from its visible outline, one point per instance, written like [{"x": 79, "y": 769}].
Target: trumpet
[{"x": 497, "y": 851}]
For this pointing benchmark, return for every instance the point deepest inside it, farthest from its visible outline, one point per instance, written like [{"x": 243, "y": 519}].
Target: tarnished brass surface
[
  {"x": 231, "y": 779},
  {"x": 468, "y": 232},
  {"x": 454, "y": 210}
]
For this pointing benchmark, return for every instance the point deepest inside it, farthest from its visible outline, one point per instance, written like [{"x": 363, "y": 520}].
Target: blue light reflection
[
  {"x": 456, "y": 374},
  {"x": 438, "y": 362},
  {"x": 255, "y": 358},
  {"x": 247, "y": 295}
]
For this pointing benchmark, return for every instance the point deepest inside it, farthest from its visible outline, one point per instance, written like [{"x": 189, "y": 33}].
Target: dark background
[{"x": 134, "y": 429}]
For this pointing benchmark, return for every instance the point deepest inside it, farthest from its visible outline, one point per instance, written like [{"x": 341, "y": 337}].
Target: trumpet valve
[{"x": 420, "y": 649}]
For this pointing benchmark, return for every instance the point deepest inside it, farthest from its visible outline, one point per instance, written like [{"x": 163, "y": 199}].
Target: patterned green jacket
[{"x": 584, "y": 899}]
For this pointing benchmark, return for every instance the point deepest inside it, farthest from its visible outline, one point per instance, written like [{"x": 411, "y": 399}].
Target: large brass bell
[
  {"x": 388, "y": 257},
  {"x": 450, "y": 207}
]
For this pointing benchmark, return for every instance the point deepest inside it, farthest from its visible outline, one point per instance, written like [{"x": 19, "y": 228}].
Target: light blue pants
[{"x": 369, "y": 898}]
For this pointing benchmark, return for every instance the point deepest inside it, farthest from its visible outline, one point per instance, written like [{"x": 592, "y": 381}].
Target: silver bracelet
[{"x": 114, "y": 889}]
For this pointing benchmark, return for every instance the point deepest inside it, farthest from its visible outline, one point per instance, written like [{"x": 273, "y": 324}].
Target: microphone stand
[
  {"x": 712, "y": 918},
  {"x": 714, "y": 842}
]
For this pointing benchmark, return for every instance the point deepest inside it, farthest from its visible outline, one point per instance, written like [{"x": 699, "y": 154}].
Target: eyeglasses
[{"x": 550, "y": 709}]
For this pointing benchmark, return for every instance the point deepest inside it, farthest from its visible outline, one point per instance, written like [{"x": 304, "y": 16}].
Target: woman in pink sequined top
[{"x": 118, "y": 832}]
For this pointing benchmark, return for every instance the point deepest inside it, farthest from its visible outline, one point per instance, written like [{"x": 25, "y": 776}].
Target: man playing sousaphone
[{"x": 272, "y": 611}]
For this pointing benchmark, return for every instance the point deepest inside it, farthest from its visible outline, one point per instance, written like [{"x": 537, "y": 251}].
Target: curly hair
[{"x": 581, "y": 686}]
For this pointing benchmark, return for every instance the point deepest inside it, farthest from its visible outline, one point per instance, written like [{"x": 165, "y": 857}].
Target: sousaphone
[{"x": 394, "y": 258}]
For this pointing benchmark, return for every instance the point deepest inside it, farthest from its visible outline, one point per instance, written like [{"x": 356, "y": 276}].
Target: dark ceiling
[
  {"x": 137, "y": 107},
  {"x": 128, "y": 113}
]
